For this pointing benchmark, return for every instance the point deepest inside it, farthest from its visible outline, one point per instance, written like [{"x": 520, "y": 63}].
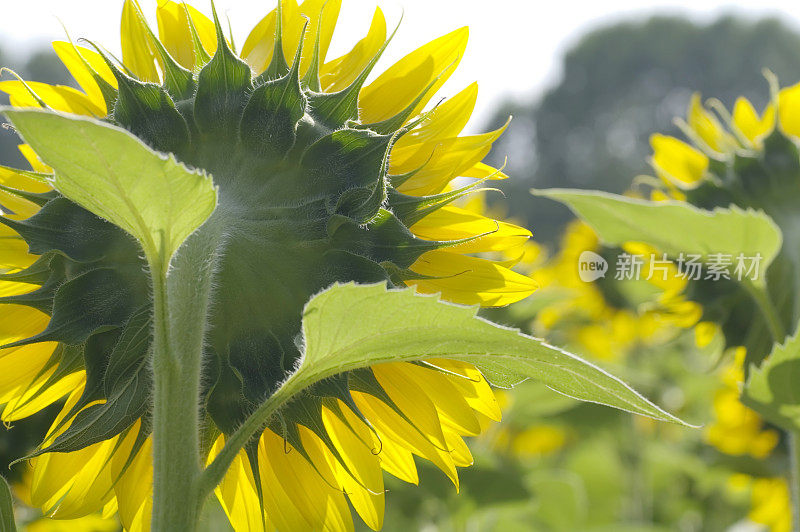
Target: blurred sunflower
[
  {"x": 322, "y": 179},
  {"x": 606, "y": 319}
]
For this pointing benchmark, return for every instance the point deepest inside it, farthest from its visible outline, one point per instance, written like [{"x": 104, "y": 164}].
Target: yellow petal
[
  {"x": 458, "y": 450},
  {"x": 707, "y": 127},
  {"x": 27, "y": 399},
  {"x": 57, "y": 97},
  {"x": 174, "y": 31},
  {"x": 322, "y": 15},
  {"x": 14, "y": 251},
  {"x": 453, "y": 223},
  {"x": 340, "y": 73},
  {"x": 676, "y": 162},
  {"x": 138, "y": 53},
  {"x": 237, "y": 494},
  {"x": 19, "y": 181},
  {"x": 438, "y": 162},
  {"x": 446, "y": 121},
  {"x": 472, "y": 386},
  {"x": 75, "y": 484},
  {"x": 789, "y": 110},
  {"x": 454, "y": 412},
  {"x": 33, "y": 159},
  {"x": 412, "y": 400},
  {"x": 391, "y": 426},
  {"x": 469, "y": 280},
  {"x": 282, "y": 477},
  {"x": 71, "y": 485},
  {"x": 365, "y": 487},
  {"x": 407, "y": 78},
  {"x": 76, "y": 60},
  {"x": 484, "y": 171},
  {"x": 396, "y": 460},
  {"x": 749, "y": 123},
  {"x": 134, "y": 486},
  {"x": 704, "y": 333}
]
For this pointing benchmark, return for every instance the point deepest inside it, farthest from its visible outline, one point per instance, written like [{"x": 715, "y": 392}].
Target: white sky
[{"x": 515, "y": 45}]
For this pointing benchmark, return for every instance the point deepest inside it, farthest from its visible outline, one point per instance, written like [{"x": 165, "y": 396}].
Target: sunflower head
[
  {"x": 322, "y": 179},
  {"x": 748, "y": 159}
]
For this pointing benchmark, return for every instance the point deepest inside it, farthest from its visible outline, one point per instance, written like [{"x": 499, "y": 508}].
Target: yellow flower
[
  {"x": 736, "y": 429},
  {"x": 676, "y": 162},
  {"x": 752, "y": 126},
  {"x": 771, "y": 504},
  {"x": 303, "y": 470},
  {"x": 584, "y": 314}
]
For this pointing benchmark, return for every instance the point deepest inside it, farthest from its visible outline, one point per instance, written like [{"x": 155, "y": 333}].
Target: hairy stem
[
  {"x": 768, "y": 310},
  {"x": 180, "y": 299}
]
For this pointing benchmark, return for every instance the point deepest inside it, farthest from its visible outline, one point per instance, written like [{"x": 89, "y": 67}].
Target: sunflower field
[{"x": 248, "y": 285}]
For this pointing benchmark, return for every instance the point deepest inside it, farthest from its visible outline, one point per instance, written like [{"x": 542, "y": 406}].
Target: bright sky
[{"x": 515, "y": 45}]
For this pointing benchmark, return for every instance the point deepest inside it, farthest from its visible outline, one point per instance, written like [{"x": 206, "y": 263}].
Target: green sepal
[
  {"x": 67, "y": 360},
  {"x": 42, "y": 298},
  {"x": 342, "y": 163},
  {"x": 385, "y": 239},
  {"x": 277, "y": 66},
  {"x": 224, "y": 400},
  {"x": 269, "y": 121},
  {"x": 342, "y": 264},
  {"x": 36, "y": 273},
  {"x": 178, "y": 81},
  {"x": 106, "y": 89},
  {"x": 147, "y": 111},
  {"x": 222, "y": 88},
  {"x": 64, "y": 227},
  {"x": 201, "y": 56},
  {"x": 251, "y": 450},
  {"x": 311, "y": 80},
  {"x": 126, "y": 385},
  {"x": 338, "y": 108},
  {"x": 37, "y": 198},
  {"x": 95, "y": 301},
  {"x": 411, "y": 209},
  {"x": 94, "y": 356}
]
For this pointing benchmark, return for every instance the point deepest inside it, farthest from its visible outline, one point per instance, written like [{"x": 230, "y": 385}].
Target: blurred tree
[{"x": 620, "y": 84}]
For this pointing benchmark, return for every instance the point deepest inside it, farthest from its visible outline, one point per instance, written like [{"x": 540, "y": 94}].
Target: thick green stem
[
  {"x": 180, "y": 299},
  {"x": 794, "y": 478},
  {"x": 768, "y": 310}
]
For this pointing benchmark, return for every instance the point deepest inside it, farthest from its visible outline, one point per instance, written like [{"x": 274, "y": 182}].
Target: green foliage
[
  {"x": 348, "y": 327},
  {"x": 672, "y": 227},
  {"x": 113, "y": 174},
  {"x": 771, "y": 389}
]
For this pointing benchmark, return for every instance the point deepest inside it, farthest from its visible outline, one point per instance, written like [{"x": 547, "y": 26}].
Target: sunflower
[
  {"x": 610, "y": 319},
  {"x": 322, "y": 178}
]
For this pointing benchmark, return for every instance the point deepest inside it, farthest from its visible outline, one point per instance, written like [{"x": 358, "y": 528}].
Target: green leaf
[
  {"x": 350, "y": 326},
  {"x": 6, "y": 508},
  {"x": 674, "y": 227},
  {"x": 771, "y": 389},
  {"x": 111, "y": 173}
]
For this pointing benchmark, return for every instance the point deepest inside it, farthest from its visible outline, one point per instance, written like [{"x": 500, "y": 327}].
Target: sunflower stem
[{"x": 180, "y": 298}]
